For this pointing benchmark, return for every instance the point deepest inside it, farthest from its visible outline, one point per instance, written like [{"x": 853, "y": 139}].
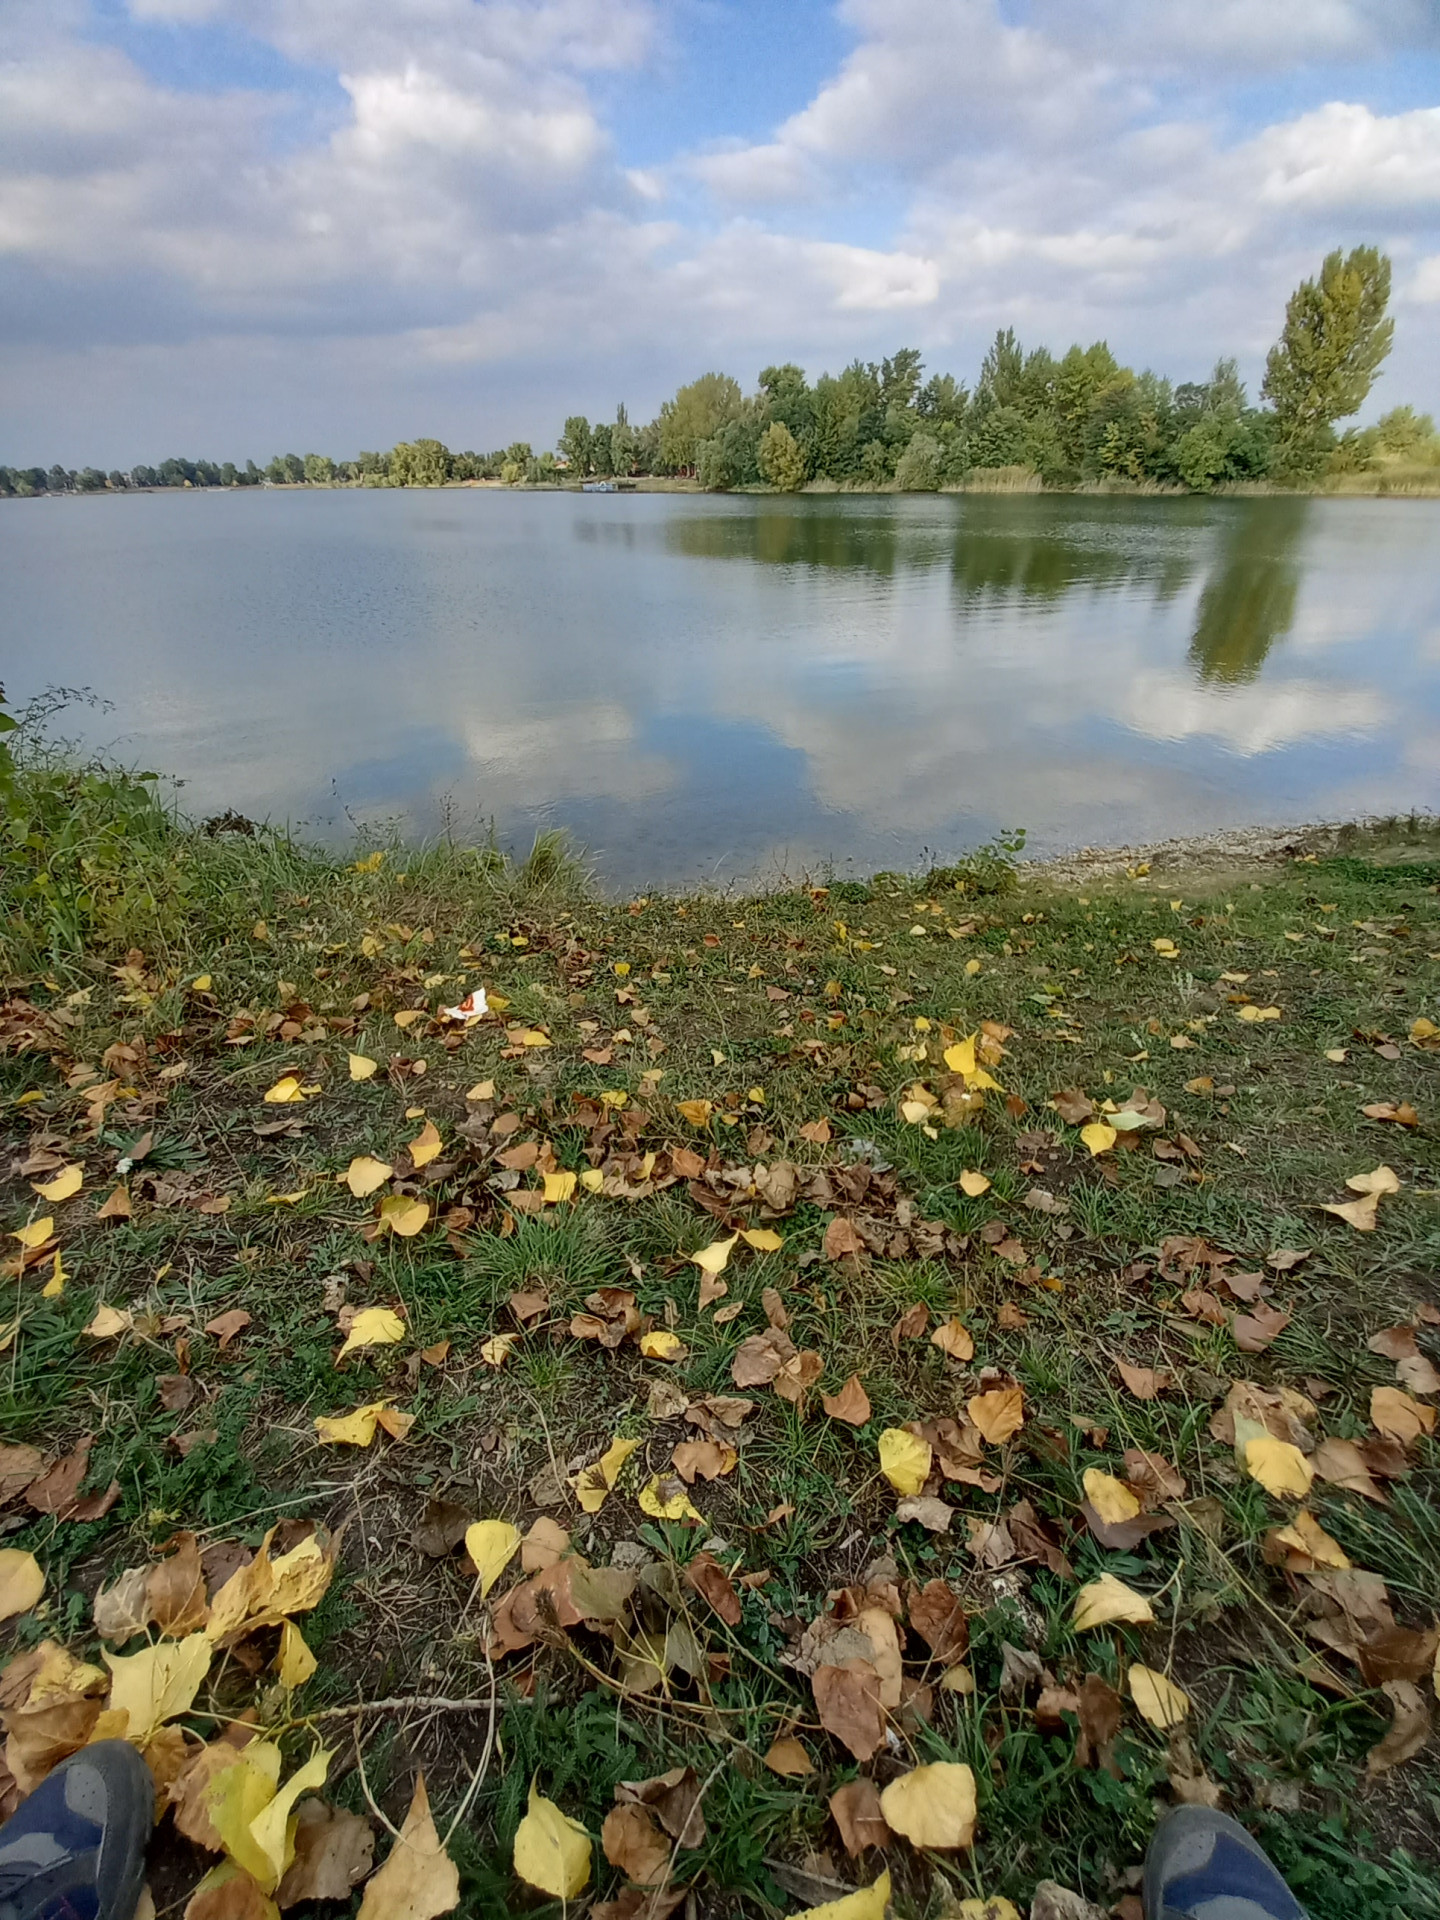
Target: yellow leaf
[
  {"x": 974, "y": 1183},
  {"x": 1359, "y": 1214},
  {"x": 362, "y": 1067},
  {"x": 1166, "y": 948},
  {"x": 286, "y": 1199},
  {"x": 295, "y": 1663},
  {"x": 1306, "y": 1535},
  {"x": 904, "y": 1460},
  {"x": 1110, "y": 1498},
  {"x": 762, "y": 1239},
  {"x": 350, "y": 1429},
  {"x": 552, "y": 1851},
  {"x": 972, "y": 967},
  {"x": 373, "y": 1327},
  {"x": 271, "y": 1830},
  {"x": 528, "y": 1037},
  {"x": 716, "y": 1257},
  {"x": 286, "y": 1092},
  {"x": 372, "y": 862},
  {"x": 496, "y": 1350},
  {"x": 1098, "y": 1137},
  {"x": 594, "y": 1482},
  {"x": 21, "y": 1582},
  {"x": 1106, "y": 1600},
  {"x": 676, "y": 1507},
  {"x": 1280, "y": 1468},
  {"x": 400, "y": 1214},
  {"x": 866, "y": 1903},
  {"x": 1157, "y": 1699},
  {"x": 35, "y": 1235},
  {"x": 961, "y": 1057},
  {"x": 55, "y": 1285},
  {"x": 482, "y": 1090},
  {"x": 109, "y": 1322},
  {"x": 491, "y": 1545},
  {"x": 300, "y": 1579},
  {"x": 697, "y": 1112},
  {"x": 418, "y": 1880},
  {"x": 158, "y": 1683},
  {"x": 1382, "y": 1180},
  {"x": 407, "y": 1017},
  {"x": 998, "y": 1414},
  {"x": 1251, "y": 1013},
  {"x": 66, "y": 1184},
  {"x": 236, "y": 1798},
  {"x": 661, "y": 1345},
  {"x": 558, "y": 1187},
  {"x": 592, "y": 1179},
  {"x": 426, "y": 1144},
  {"x": 995, "y": 1908},
  {"x": 932, "y": 1806},
  {"x": 364, "y": 1174},
  {"x": 202, "y": 983}
]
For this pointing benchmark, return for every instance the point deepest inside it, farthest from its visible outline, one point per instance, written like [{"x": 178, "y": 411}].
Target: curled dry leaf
[
  {"x": 847, "y": 1699},
  {"x": 709, "y": 1579},
  {"x": 787, "y": 1757},
  {"x": 842, "y": 1238},
  {"x": 1146, "y": 1383},
  {"x": 1157, "y": 1699},
  {"x": 938, "y": 1616},
  {"x": 632, "y": 1842},
  {"x": 932, "y": 1514},
  {"x": 1409, "y": 1728},
  {"x": 855, "y": 1809},
  {"x": 851, "y": 1404},
  {"x": 953, "y": 1338},
  {"x": 418, "y": 1880},
  {"x": 998, "y": 1414},
  {"x": 334, "y": 1851},
  {"x": 1394, "y": 1414},
  {"x": 932, "y": 1806}
]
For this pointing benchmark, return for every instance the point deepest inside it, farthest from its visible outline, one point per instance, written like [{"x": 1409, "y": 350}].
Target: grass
[{"x": 815, "y": 1004}]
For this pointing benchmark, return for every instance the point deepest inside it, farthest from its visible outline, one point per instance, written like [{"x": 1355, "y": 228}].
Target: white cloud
[{"x": 1345, "y": 156}]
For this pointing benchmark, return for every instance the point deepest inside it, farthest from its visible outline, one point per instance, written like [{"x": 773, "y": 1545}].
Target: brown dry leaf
[
  {"x": 817, "y": 1132},
  {"x": 797, "y": 1375},
  {"x": 1144, "y": 1382},
  {"x": 55, "y": 1490},
  {"x": 175, "y": 1590},
  {"x": 1151, "y": 1477},
  {"x": 1418, "y": 1374},
  {"x": 334, "y": 1851},
  {"x": 1101, "y": 1711},
  {"x": 998, "y": 1414},
  {"x": 855, "y": 1809},
  {"x": 933, "y": 1514},
  {"x": 1189, "y": 1782},
  {"x": 1402, "y": 1113},
  {"x": 1398, "y": 1653},
  {"x": 851, "y": 1404},
  {"x": 938, "y": 1616},
  {"x": 842, "y": 1238},
  {"x": 990, "y": 1541},
  {"x": 225, "y": 1326},
  {"x": 703, "y": 1459},
  {"x": 1253, "y": 1332},
  {"x": 1394, "y": 1343},
  {"x": 18, "y": 1467},
  {"x": 190, "y": 1793},
  {"x": 442, "y": 1527},
  {"x": 1409, "y": 1729},
  {"x": 710, "y": 1580},
  {"x": 1073, "y": 1106},
  {"x": 712, "y": 1288},
  {"x": 953, "y": 1337},
  {"x": 847, "y": 1699},
  {"x": 1392, "y": 1413},
  {"x": 418, "y": 1880},
  {"x": 788, "y": 1758},
  {"x": 228, "y": 1892},
  {"x": 675, "y": 1797},
  {"x": 632, "y": 1842},
  {"x": 759, "y": 1359},
  {"x": 1342, "y": 1464},
  {"x": 911, "y": 1324}
]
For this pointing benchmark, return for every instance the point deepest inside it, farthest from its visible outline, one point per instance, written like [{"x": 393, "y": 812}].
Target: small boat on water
[{"x": 598, "y": 486}]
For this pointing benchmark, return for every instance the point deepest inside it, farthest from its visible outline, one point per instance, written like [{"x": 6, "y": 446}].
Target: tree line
[{"x": 1057, "y": 422}]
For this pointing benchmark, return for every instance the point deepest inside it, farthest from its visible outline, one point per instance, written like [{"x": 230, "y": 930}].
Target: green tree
[
  {"x": 622, "y": 442},
  {"x": 920, "y": 468},
  {"x": 697, "y": 411},
  {"x": 1335, "y": 337},
  {"x": 420, "y": 463},
  {"x": 575, "y": 444},
  {"x": 781, "y": 459},
  {"x": 319, "y": 469}
]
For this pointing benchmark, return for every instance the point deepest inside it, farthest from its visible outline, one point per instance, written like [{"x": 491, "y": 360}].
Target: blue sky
[{"x": 233, "y": 226}]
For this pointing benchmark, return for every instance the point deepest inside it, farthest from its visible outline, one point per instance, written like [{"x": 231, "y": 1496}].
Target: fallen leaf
[
  {"x": 158, "y": 1683},
  {"x": 109, "y": 1323},
  {"x": 932, "y": 1806},
  {"x": 1111, "y": 1499},
  {"x": 1379, "y": 1180},
  {"x": 841, "y": 1239},
  {"x": 225, "y": 1326},
  {"x": 1398, "y": 1417},
  {"x": 954, "y": 1338},
  {"x": 703, "y": 1459},
  {"x": 1359, "y": 1214},
  {"x": 847, "y": 1699},
  {"x": 1401, "y": 1115},
  {"x": 632, "y": 1842},
  {"x": 855, "y": 1809},
  {"x": 593, "y": 1484},
  {"x": 21, "y": 1582},
  {"x": 418, "y": 1880},
  {"x": 667, "y": 1500},
  {"x": 1342, "y": 1464},
  {"x": 334, "y": 1851},
  {"x": 228, "y": 1892},
  {"x": 868, "y": 1903},
  {"x": 1106, "y": 1601},
  {"x": 1157, "y": 1699},
  {"x": 1409, "y": 1728},
  {"x": 1098, "y": 1137},
  {"x": 361, "y": 1066},
  {"x": 851, "y": 1404},
  {"x": 998, "y": 1414},
  {"x": 66, "y": 1184},
  {"x": 372, "y": 1327},
  {"x": 1255, "y": 1331},
  {"x": 762, "y": 1239},
  {"x": 662, "y": 1345},
  {"x": 1280, "y": 1468},
  {"x": 937, "y": 1614},
  {"x": 1306, "y": 1545},
  {"x": 904, "y": 1460},
  {"x": 1146, "y": 1383},
  {"x": 787, "y": 1757},
  {"x": 287, "y": 1091},
  {"x": 716, "y": 1257},
  {"x": 934, "y": 1515},
  {"x": 1418, "y": 1374},
  {"x": 402, "y": 1215},
  {"x": 551, "y": 1851},
  {"x": 365, "y": 1174},
  {"x": 974, "y": 1184}
]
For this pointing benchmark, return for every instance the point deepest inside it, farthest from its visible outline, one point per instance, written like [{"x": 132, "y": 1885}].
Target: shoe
[
  {"x": 1202, "y": 1865},
  {"x": 75, "y": 1849}
]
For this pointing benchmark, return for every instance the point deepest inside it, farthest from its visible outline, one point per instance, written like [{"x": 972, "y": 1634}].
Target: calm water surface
[{"x": 712, "y": 687}]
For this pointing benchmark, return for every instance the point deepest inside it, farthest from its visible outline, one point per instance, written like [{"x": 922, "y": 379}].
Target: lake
[{"x": 720, "y": 688}]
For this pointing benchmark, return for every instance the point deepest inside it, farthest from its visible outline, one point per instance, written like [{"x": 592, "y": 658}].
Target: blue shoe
[
  {"x": 75, "y": 1850},
  {"x": 1202, "y": 1865}
]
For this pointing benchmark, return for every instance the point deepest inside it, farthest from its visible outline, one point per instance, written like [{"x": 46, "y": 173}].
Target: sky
[{"x": 235, "y": 227}]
